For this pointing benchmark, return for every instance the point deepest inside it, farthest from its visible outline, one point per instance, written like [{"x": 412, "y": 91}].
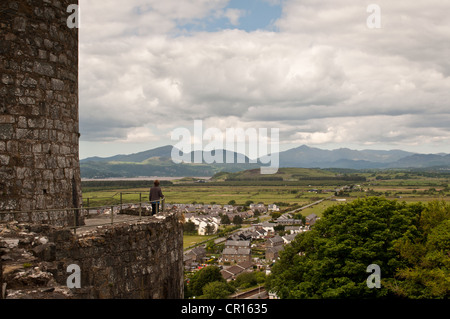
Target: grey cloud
[{"x": 324, "y": 78}]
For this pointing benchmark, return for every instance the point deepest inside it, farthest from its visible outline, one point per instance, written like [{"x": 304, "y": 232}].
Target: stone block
[
  {"x": 43, "y": 68},
  {"x": 6, "y": 131},
  {"x": 7, "y": 119},
  {"x": 20, "y": 24},
  {"x": 4, "y": 159},
  {"x": 57, "y": 85},
  {"x": 29, "y": 82}
]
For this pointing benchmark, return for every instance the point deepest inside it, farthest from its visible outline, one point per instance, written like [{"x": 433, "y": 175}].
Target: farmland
[
  {"x": 295, "y": 188},
  {"x": 290, "y": 189}
]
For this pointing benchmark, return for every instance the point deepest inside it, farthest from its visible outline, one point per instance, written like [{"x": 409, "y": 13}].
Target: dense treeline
[
  {"x": 262, "y": 178},
  {"x": 353, "y": 178},
  {"x": 409, "y": 242},
  {"x": 256, "y": 183},
  {"x": 117, "y": 184}
]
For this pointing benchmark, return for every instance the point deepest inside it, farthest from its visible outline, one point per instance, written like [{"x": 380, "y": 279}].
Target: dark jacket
[{"x": 155, "y": 193}]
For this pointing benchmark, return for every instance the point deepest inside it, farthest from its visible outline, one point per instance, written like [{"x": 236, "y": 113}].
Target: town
[{"x": 253, "y": 246}]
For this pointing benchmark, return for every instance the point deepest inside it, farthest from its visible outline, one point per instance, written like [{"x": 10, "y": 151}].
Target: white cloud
[
  {"x": 323, "y": 78},
  {"x": 234, "y": 15}
]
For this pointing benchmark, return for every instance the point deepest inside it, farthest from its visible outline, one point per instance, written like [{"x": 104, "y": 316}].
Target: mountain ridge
[{"x": 158, "y": 161}]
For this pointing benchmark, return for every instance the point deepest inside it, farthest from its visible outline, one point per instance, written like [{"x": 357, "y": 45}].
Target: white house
[
  {"x": 293, "y": 229},
  {"x": 204, "y": 223},
  {"x": 269, "y": 227},
  {"x": 228, "y": 208},
  {"x": 288, "y": 238}
]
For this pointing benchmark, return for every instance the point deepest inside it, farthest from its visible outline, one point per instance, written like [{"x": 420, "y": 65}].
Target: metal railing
[{"x": 76, "y": 213}]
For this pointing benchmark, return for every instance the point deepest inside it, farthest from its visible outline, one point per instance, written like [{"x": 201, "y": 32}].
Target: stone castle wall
[
  {"x": 39, "y": 130},
  {"x": 39, "y": 170},
  {"x": 141, "y": 260}
]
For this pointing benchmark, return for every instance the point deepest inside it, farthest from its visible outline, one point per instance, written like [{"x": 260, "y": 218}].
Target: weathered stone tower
[{"x": 39, "y": 131}]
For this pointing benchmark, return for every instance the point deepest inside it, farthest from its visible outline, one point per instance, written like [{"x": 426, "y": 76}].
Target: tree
[
  {"x": 202, "y": 278},
  {"x": 237, "y": 220},
  {"x": 225, "y": 220},
  {"x": 189, "y": 227},
  {"x": 217, "y": 290},
  {"x": 330, "y": 261},
  {"x": 209, "y": 229},
  {"x": 232, "y": 202},
  {"x": 210, "y": 246},
  {"x": 246, "y": 280},
  {"x": 428, "y": 254},
  {"x": 275, "y": 215}
]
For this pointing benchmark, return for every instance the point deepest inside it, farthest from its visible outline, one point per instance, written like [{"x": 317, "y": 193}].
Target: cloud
[
  {"x": 233, "y": 15},
  {"x": 324, "y": 77}
]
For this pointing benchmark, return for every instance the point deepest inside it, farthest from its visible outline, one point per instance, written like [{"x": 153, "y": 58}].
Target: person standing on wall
[{"x": 154, "y": 197}]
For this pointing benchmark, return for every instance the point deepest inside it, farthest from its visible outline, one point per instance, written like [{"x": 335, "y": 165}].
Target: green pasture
[
  {"x": 190, "y": 240},
  {"x": 415, "y": 188},
  {"x": 220, "y": 195}
]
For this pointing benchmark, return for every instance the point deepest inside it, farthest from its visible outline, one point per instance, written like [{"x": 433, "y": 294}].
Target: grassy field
[
  {"x": 206, "y": 194},
  {"x": 189, "y": 240},
  {"x": 403, "y": 186},
  {"x": 289, "y": 195},
  {"x": 319, "y": 209}
]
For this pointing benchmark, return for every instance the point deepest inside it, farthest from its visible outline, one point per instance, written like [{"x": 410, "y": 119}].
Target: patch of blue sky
[{"x": 247, "y": 15}]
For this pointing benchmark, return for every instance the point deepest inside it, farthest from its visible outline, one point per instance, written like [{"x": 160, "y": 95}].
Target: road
[
  {"x": 309, "y": 205},
  {"x": 256, "y": 293}
]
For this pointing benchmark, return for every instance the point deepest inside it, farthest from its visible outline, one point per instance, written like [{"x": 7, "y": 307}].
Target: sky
[{"x": 323, "y": 72}]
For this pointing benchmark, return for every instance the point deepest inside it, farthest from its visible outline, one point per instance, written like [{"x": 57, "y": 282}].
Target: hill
[
  {"x": 158, "y": 162},
  {"x": 305, "y": 156},
  {"x": 288, "y": 175}
]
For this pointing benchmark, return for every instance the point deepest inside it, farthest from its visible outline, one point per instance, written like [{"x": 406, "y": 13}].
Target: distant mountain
[
  {"x": 158, "y": 162},
  {"x": 161, "y": 152},
  {"x": 309, "y": 157},
  {"x": 422, "y": 161}
]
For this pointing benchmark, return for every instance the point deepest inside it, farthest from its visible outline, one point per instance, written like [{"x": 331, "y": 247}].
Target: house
[
  {"x": 272, "y": 253},
  {"x": 235, "y": 244},
  {"x": 234, "y": 237},
  {"x": 237, "y": 255},
  {"x": 258, "y": 207},
  {"x": 274, "y": 241},
  {"x": 288, "y": 238},
  {"x": 293, "y": 229},
  {"x": 285, "y": 216},
  {"x": 288, "y": 221},
  {"x": 228, "y": 275},
  {"x": 188, "y": 217},
  {"x": 259, "y": 233},
  {"x": 245, "y": 235},
  {"x": 232, "y": 272},
  {"x": 188, "y": 261},
  {"x": 228, "y": 208},
  {"x": 269, "y": 227},
  {"x": 196, "y": 254},
  {"x": 202, "y": 222},
  {"x": 311, "y": 219},
  {"x": 247, "y": 214},
  {"x": 190, "y": 209},
  {"x": 273, "y": 208},
  {"x": 207, "y": 227}
]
